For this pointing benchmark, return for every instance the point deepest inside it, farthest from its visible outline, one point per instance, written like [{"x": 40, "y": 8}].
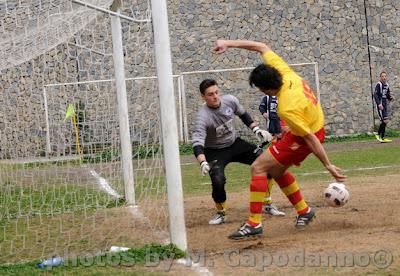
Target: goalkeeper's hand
[
  {"x": 205, "y": 168},
  {"x": 262, "y": 135}
]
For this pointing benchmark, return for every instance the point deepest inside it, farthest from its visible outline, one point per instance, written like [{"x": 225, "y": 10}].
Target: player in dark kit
[
  {"x": 382, "y": 97},
  {"x": 269, "y": 110},
  {"x": 216, "y": 143}
]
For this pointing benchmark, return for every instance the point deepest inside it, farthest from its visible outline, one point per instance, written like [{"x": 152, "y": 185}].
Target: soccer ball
[{"x": 336, "y": 195}]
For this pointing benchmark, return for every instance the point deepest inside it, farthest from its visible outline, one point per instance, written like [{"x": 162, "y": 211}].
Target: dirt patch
[{"x": 367, "y": 226}]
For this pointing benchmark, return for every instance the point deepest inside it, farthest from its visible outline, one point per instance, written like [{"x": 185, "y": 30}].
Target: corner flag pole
[{"x": 70, "y": 113}]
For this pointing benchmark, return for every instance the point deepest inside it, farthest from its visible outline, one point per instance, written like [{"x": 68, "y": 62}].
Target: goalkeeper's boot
[
  {"x": 218, "y": 218},
  {"x": 386, "y": 140},
  {"x": 272, "y": 210},
  {"x": 303, "y": 220},
  {"x": 246, "y": 231}
]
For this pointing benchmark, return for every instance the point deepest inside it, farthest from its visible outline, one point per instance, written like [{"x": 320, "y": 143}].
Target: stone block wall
[{"x": 350, "y": 41}]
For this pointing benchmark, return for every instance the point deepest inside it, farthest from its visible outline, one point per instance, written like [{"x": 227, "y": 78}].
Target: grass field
[{"x": 89, "y": 219}]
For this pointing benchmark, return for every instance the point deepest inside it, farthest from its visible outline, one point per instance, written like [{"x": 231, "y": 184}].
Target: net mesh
[
  {"x": 31, "y": 28},
  {"x": 61, "y": 180}
]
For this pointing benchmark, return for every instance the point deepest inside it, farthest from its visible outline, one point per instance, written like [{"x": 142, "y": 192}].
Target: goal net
[{"x": 61, "y": 180}]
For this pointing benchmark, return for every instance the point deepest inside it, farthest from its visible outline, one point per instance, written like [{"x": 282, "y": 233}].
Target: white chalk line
[
  {"x": 104, "y": 184},
  {"x": 326, "y": 172},
  {"x": 351, "y": 170}
]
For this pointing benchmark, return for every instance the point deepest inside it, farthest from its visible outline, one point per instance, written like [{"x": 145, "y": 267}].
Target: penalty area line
[
  {"x": 352, "y": 170},
  {"x": 323, "y": 172},
  {"x": 104, "y": 184}
]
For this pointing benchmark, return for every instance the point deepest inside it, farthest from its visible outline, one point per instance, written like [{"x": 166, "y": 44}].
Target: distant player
[
  {"x": 216, "y": 143},
  {"x": 269, "y": 110},
  {"x": 302, "y": 112},
  {"x": 382, "y": 98}
]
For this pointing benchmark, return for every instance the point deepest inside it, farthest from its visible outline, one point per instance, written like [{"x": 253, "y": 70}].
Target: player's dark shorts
[
  {"x": 240, "y": 151},
  {"x": 292, "y": 149},
  {"x": 274, "y": 126},
  {"x": 383, "y": 114}
]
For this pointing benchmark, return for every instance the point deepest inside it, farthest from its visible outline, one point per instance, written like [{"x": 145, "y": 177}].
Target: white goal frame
[
  {"x": 183, "y": 129},
  {"x": 169, "y": 127}
]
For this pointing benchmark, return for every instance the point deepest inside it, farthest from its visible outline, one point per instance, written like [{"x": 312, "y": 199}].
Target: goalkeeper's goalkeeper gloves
[
  {"x": 262, "y": 135},
  {"x": 205, "y": 168}
]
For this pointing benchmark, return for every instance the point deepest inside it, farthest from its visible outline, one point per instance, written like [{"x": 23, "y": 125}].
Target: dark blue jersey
[
  {"x": 382, "y": 93},
  {"x": 269, "y": 105},
  {"x": 382, "y": 96}
]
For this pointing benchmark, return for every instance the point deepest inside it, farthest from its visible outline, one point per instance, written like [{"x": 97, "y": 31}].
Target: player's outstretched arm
[
  {"x": 222, "y": 46},
  {"x": 315, "y": 145}
]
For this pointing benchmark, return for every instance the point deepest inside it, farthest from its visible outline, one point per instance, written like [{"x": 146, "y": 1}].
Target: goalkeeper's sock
[
  {"x": 268, "y": 198},
  {"x": 291, "y": 189},
  {"x": 221, "y": 206},
  {"x": 258, "y": 188}
]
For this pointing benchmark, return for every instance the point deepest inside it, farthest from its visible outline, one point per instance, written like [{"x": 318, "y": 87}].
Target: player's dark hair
[
  {"x": 265, "y": 77},
  {"x": 206, "y": 84},
  {"x": 383, "y": 72}
]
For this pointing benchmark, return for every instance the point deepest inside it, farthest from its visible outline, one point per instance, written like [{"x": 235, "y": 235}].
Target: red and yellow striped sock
[
  {"x": 221, "y": 207},
  {"x": 291, "y": 189},
  {"x": 258, "y": 188}
]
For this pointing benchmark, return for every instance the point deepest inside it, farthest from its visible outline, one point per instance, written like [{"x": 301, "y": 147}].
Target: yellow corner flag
[{"x": 70, "y": 112}]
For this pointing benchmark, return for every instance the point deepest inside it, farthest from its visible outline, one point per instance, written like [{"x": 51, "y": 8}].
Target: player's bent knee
[
  {"x": 218, "y": 179},
  {"x": 263, "y": 164}
]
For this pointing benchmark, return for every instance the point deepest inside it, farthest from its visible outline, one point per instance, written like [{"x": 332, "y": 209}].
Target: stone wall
[{"x": 331, "y": 33}]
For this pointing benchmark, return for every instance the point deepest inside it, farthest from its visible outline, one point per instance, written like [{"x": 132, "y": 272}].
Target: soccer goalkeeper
[{"x": 216, "y": 144}]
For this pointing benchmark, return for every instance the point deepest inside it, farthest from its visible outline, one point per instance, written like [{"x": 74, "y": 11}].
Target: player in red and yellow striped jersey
[{"x": 302, "y": 112}]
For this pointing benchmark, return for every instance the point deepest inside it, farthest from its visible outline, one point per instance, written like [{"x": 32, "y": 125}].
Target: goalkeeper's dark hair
[
  {"x": 265, "y": 77},
  {"x": 206, "y": 84}
]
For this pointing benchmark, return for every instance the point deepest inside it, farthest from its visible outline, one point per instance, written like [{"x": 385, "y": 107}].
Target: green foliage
[
  {"x": 361, "y": 137},
  {"x": 138, "y": 152},
  {"x": 147, "y": 151},
  {"x": 392, "y": 133},
  {"x": 163, "y": 251},
  {"x": 349, "y": 138},
  {"x": 103, "y": 156},
  {"x": 185, "y": 149}
]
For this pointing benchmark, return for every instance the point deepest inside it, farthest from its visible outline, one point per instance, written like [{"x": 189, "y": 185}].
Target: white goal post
[{"x": 105, "y": 132}]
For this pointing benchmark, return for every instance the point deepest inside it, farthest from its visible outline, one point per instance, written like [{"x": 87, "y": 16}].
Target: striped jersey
[
  {"x": 382, "y": 93},
  {"x": 298, "y": 106}
]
